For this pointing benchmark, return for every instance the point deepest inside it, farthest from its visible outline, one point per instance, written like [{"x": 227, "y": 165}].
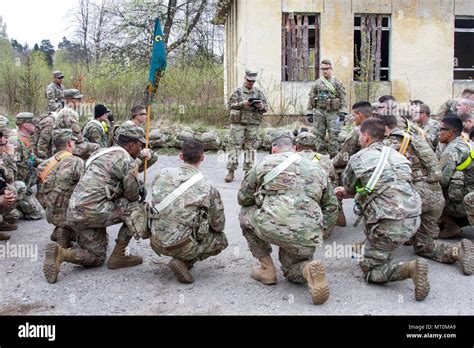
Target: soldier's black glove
[
  {"x": 142, "y": 192},
  {"x": 342, "y": 116},
  {"x": 111, "y": 117},
  {"x": 310, "y": 118}
]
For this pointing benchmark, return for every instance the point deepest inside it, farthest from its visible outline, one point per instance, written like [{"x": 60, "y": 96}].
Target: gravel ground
[{"x": 222, "y": 283}]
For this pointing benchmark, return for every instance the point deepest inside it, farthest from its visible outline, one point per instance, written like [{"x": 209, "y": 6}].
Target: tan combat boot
[
  {"x": 230, "y": 176},
  {"x": 463, "y": 252},
  {"x": 4, "y": 236},
  {"x": 118, "y": 259},
  {"x": 6, "y": 226},
  {"x": 55, "y": 255},
  {"x": 314, "y": 273},
  {"x": 180, "y": 269},
  {"x": 341, "y": 218},
  {"x": 417, "y": 270},
  {"x": 266, "y": 272}
]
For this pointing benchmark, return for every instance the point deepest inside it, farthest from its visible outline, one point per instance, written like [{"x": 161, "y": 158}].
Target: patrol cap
[
  {"x": 306, "y": 139},
  {"x": 72, "y": 93},
  {"x": 4, "y": 125},
  {"x": 64, "y": 134},
  {"x": 251, "y": 75},
  {"x": 280, "y": 133},
  {"x": 26, "y": 117},
  {"x": 57, "y": 74},
  {"x": 132, "y": 131}
]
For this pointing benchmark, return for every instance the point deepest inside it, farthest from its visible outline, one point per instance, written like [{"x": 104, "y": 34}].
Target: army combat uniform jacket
[{"x": 296, "y": 207}]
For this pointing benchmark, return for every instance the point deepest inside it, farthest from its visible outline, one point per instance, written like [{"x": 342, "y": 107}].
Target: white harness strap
[
  {"x": 280, "y": 168},
  {"x": 178, "y": 192},
  {"x": 103, "y": 152}
]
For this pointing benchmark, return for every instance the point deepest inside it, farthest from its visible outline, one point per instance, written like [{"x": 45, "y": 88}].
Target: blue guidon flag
[{"x": 158, "y": 57}]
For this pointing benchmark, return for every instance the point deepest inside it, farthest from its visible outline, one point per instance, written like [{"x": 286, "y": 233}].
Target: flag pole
[{"x": 147, "y": 128}]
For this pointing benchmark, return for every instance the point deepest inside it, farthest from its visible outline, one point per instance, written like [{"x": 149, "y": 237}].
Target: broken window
[
  {"x": 463, "y": 48},
  {"x": 300, "y": 47},
  {"x": 371, "y": 47}
]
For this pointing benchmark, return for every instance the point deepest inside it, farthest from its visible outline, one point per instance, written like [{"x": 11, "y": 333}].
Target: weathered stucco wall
[{"x": 421, "y": 47}]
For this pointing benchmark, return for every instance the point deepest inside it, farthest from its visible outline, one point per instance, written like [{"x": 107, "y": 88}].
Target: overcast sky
[{"x": 30, "y": 21}]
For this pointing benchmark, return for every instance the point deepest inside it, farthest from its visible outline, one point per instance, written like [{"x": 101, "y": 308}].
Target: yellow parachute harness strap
[
  {"x": 53, "y": 163},
  {"x": 329, "y": 85},
  {"x": 369, "y": 187},
  {"x": 105, "y": 127},
  {"x": 317, "y": 157},
  {"x": 468, "y": 160},
  {"x": 406, "y": 141}
]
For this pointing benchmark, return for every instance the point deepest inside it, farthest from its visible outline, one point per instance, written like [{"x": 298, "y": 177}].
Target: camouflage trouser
[
  {"x": 292, "y": 257},
  {"x": 93, "y": 243},
  {"x": 84, "y": 149},
  {"x": 242, "y": 136},
  {"x": 469, "y": 203},
  {"x": 426, "y": 241},
  {"x": 327, "y": 121},
  {"x": 383, "y": 238},
  {"x": 27, "y": 206},
  {"x": 211, "y": 245},
  {"x": 58, "y": 218}
]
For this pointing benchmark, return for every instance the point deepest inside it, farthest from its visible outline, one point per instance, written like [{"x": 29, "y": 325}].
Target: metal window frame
[{"x": 462, "y": 30}]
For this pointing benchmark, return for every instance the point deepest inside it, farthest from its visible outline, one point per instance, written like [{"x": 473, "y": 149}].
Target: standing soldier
[
  {"x": 26, "y": 163},
  {"x": 246, "y": 105},
  {"x": 457, "y": 175},
  {"x": 96, "y": 130},
  {"x": 288, "y": 201},
  {"x": 425, "y": 176},
  {"x": 55, "y": 92},
  {"x": 389, "y": 206},
  {"x": 327, "y": 101},
  {"x": 190, "y": 222},
  {"x": 58, "y": 177},
  {"x": 69, "y": 118},
  {"x": 138, "y": 118},
  {"x": 107, "y": 194}
]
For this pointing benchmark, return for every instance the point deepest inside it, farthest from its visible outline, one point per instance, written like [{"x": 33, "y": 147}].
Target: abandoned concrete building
[{"x": 413, "y": 49}]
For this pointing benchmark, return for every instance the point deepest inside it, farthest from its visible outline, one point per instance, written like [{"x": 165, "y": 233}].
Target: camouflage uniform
[
  {"x": 430, "y": 131},
  {"x": 106, "y": 195},
  {"x": 44, "y": 142},
  {"x": 469, "y": 203},
  {"x": 244, "y": 124},
  {"x": 68, "y": 118},
  {"x": 192, "y": 227},
  {"x": 58, "y": 176},
  {"x": 391, "y": 212},
  {"x": 425, "y": 176},
  {"x": 141, "y": 158},
  {"x": 455, "y": 183},
  {"x": 325, "y": 106},
  {"x": 26, "y": 177},
  {"x": 95, "y": 133},
  {"x": 292, "y": 211},
  {"x": 448, "y": 107},
  {"x": 55, "y": 94},
  {"x": 350, "y": 147}
]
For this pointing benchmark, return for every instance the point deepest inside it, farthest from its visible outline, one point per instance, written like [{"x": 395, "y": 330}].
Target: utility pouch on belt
[
  {"x": 201, "y": 228},
  {"x": 335, "y": 104},
  {"x": 234, "y": 116}
]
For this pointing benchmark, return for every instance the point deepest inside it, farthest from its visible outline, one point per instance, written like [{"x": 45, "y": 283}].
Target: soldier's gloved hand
[
  {"x": 342, "y": 116},
  {"x": 310, "y": 118},
  {"x": 111, "y": 117},
  {"x": 142, "y": 192}
]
